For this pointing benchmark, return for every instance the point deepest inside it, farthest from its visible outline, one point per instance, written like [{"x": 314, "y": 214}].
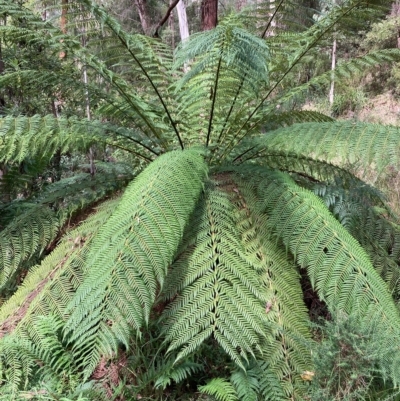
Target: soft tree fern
[{"x": 197, "y": 243}]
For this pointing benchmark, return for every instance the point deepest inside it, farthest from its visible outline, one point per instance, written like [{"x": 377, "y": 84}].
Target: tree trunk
[
  {"x": 209, "y": 14},
  {"x": 2, "y": 68},
  {"x": 332, "y": 89},
  {"x": 143, "y": 15},
  {"x": 63, "y": 22},
  {"x": 183, "y": 23}
]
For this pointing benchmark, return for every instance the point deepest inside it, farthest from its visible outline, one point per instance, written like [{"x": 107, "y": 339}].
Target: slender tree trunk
[
  {"x": 63, "y": 22},
  {"x": 2, "y": 67},
  {"x": 209, "y": 14},
  {"x": 332, "y": 89},
  {"x": 92, "y": 166},
  {"x": 143, "y": 15},
  {"x": 182, "y": 18},
  {"x": 171, "y": 25}
]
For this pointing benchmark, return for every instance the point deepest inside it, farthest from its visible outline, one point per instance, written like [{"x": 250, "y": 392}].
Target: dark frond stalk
[
  {"x": 271, "y": 19},
  {"x": 123, "y": 41},
  {"x": 130, "y": 138},
  {"x": 214, "y": 96},
  {"x": 148, "y": 159},
  {"x": 239, "y": 158},
  {"x": 126, "y": 97}
]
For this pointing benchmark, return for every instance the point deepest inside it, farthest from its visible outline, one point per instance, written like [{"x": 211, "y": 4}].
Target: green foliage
[
  {"x": 347, "y": 360},
  {"x": 191, "y": 280}
]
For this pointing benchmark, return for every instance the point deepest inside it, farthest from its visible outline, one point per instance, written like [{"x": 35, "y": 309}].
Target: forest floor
[{"x": 381, "y": 109}]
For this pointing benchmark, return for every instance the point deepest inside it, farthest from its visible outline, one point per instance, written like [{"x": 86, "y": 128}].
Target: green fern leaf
[
  {"x": 219, "y": 388},
  {"x": 130, "y": 256}
]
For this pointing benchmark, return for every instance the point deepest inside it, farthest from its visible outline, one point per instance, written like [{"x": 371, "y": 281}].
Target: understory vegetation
[{"x": 180, "y": 224}]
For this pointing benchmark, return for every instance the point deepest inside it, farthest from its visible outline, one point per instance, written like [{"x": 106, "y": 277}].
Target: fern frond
[
  {"x": 338, "y": 267},
  {"x": 246, "y": 384},
  {"x": 344, "y": 144},
  {"x": 177, "y": 373},
  {"x": 26, "y": 236},
  {"x": 34, "y": 223},
  {"x": 46, "y": 291},
  {"x": 130, "y": 256},
  {"x": 223, "y": 70},
  {"x": 48, "y": 287},
  {"x": 370, "y": 225},
  {"x": 226, "y": 253},
  {"x": 287, "y": 347},
  {"x": 219, "y": 388},
  {"x": 295, "y": 117},
  {"x": 343, "y": 71}
]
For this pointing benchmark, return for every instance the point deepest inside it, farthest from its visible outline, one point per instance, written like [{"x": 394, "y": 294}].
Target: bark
[
  {"x": 183, "y": 23},
  {"x": 332, "y": 89},
  {"x": 143, "y": 15},
  {"x": 165, "y": 18},
  {"x": 63, "y": 22},
  {"x": 171, "y": 25},
  {"x": 2, "y": 67},
  {"x": 209, "y": 14}
]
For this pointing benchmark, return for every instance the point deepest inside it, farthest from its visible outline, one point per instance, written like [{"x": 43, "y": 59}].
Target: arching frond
[
  {"x": 230, "y": 63},
  {"x": 215, "y": 286},
  {"x": 219, "y": 388},
  {"x": 21, "y": 137},
  {"x": 345, "y": 144},
  {"x": 339, "y": 269},
  {"x": 26, "y": 236},
  {"x": 46, "y": 291},
  {"x": 128, "y": 261},
  {"x": 371, "y": 226},
  {"x": 229, "y": 281},
  {"x": 30, "y": 226}
]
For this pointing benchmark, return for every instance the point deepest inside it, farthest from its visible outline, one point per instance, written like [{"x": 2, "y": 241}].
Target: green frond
[
  {"x": 48, "y": 287},
  {"x": 246, "y": 384},
  {"x": 21, "y": 137},
  {"x": 219, "y": 388},
  {"x": 231, "y": 282},
  {"x": 129, "y": 259},
  {"x": 307, "y": 170},
  {"x": 30, "y": 226},
  {"x": 45, "y": 292},
  {"x": 214, "y": 286},
  {"x": 294, "y": 117},
  {"x": 26, "y": 236},
  {"x": 230, "y": 64},
  {"x": 258, "y": 382},
  {"x": 176, "y": 372},
  {"x": 371, "y": 226},
  {"x": 339, "y": 269},
  {"x": 287, "y": 348},
  {"x": 345, "y": 144},
  {"x": 343, "y": 71}
]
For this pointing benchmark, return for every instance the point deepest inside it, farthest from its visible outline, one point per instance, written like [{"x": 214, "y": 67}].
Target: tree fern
[{"x": 206, "y": 248}]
